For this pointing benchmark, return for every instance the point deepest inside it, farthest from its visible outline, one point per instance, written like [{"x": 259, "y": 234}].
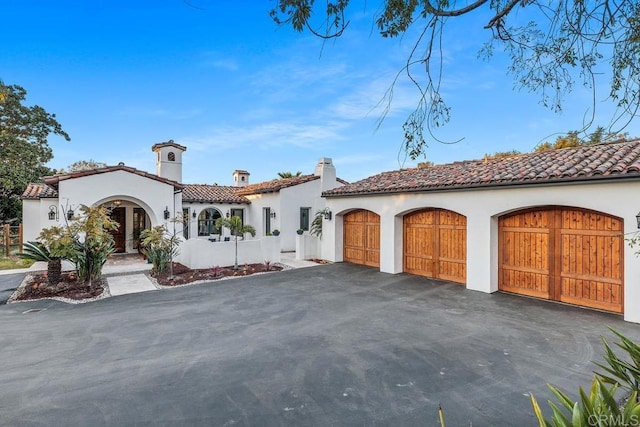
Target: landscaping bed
[
  {"x": 183, "y": 275},
  {"x": 36, "y": 287}
]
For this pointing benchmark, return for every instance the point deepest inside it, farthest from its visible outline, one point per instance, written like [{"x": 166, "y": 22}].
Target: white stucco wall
[
  {"x": 258, "y": 203},
  {"x": 199, "y": 253},
  {"x": 132, "y": 189},
  {"x": 154, "y": 196},
  {"x": 35, "y": 217},
  {"x": 482, "y": 208},
  {"x": 307, "y": 195}
]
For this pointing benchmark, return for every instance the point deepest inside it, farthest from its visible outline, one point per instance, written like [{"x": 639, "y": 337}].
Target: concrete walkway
[{"x": 129, "y": 284}]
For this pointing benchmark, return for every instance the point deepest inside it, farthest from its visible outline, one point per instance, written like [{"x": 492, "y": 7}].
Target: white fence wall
[
  {"x": 307, "y": 247},
  {"x": 201, "y": 253}
]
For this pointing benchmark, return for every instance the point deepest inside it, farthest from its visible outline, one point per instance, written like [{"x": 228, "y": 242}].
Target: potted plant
[
  {"x": 275, "y": 232},
  {"x": 300, "y": 231}
]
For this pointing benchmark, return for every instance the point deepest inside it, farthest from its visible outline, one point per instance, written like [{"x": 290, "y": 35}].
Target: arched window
[
  {"x": 207, "y": 222},
  {"x": 171, "y": 156}
]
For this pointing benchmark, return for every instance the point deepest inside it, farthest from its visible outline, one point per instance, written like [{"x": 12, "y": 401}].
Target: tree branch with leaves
[{"x": 559, "y": 43}]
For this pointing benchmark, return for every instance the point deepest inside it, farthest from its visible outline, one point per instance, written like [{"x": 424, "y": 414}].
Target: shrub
[{"x": 160, "y": 247}]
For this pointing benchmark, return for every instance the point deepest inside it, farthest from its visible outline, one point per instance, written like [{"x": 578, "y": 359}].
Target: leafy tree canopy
[
  {"x": 24, "y": 148},
  {"x": 573, "y": 139},
  {"x": 562, "y": 42},
  {"x": 82, "y": 165}
]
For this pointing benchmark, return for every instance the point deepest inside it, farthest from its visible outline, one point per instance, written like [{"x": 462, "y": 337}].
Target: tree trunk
[
  {"x": 54, "y": 271},
  {"x": 235, "y": 265}
]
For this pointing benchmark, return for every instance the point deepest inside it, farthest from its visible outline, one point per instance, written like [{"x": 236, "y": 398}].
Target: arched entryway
[
  {"x": 563, "y": 254},
  {"x": 435, "y": 244},
  {"x": 362, "y": 238}
]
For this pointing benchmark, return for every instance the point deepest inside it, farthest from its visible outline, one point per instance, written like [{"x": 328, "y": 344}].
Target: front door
[{"x": 119, "y": 235}]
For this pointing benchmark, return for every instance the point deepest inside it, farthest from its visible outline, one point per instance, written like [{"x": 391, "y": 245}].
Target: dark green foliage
[
  {"x": 36, "y": 251},
  {"x": 622, "y": 371},
  {"x": 24, "y": 148}
]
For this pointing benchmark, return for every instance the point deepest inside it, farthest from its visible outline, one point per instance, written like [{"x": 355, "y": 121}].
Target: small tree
[
  {"x": 86, "y": 241},
  {"x": 237, "y": 228}
]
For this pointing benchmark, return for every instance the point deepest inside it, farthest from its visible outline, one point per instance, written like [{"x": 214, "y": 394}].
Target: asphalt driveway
[
  {"x": 8, "y": 284},
  {"x": 328, "y": 345}
]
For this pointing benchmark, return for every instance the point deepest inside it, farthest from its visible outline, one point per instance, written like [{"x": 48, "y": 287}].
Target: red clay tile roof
[
  {"x": 592, "y": 162},
  {"x": 169, "y": 143},
  {"x": 39, "y": 191},
  {"x": 275, "y": 185},
  {"x": 55, "y": 179},
  {"x": 212, "y": 194}
]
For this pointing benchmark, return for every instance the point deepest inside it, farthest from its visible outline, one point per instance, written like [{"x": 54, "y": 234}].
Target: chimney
[
  {"x": 327, "y": 173},
  {"x": 240, "y": 178}
]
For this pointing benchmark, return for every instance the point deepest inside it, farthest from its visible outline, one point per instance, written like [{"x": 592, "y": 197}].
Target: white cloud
[{"x": 269, "y": 135}]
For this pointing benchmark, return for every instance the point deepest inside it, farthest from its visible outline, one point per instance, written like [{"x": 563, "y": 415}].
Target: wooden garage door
[
  {"x": 562, "y": 254},
  {"x": 362, "y": 238},
  {"x": 435, "y": 244}
]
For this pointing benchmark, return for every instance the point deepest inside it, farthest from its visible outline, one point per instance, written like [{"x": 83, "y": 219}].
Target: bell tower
[{"x": 169, "y": 160}]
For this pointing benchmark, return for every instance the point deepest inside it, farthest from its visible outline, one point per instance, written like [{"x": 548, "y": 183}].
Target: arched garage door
[
  {"x": 563, "y": 254},
  {"x": 362, "y": 238},
  {"x": 435, "y": 244}
]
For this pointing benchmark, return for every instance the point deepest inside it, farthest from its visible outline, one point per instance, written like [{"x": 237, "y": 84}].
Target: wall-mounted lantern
[
  {"x": 327, "y": 214},
  {"x": 70, "y": 214},
  {"x": 53, "y": 213},
  {"x": 638, "y": 220},
  {"x": 167, "y": 214},
  {"x": 228, "y": 214},
  {"x": 193, "y": 214},
  {"x": 273, "y": 214}
]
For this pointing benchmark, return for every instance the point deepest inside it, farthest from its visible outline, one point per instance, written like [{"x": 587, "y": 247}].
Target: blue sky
[{"x": 241, "y": 93}]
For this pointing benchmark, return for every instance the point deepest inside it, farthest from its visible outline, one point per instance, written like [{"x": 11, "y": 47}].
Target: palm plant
[
  {"x": 237, "y": 228},
  {"x": 316, "y": 224},
  {"x": 36, "y": 251},
  {"x": 282, "y": 175}
]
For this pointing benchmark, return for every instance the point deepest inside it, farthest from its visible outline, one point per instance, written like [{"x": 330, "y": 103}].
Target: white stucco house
[
  {"x": 140, "y": 200},
  {"x": 550, "y": 225}
]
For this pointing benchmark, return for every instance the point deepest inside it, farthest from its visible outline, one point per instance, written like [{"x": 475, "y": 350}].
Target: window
[
  {"x": 171, "y": 156},
  {"x": 207, "y": 222},
  {"x": 185, "y": 224},
  {"x": 267, "y": 221},
  {"x": 139, "y": 224},
  {"x": 238, "y": 212},
  {"x": 304, "y": 218}
]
